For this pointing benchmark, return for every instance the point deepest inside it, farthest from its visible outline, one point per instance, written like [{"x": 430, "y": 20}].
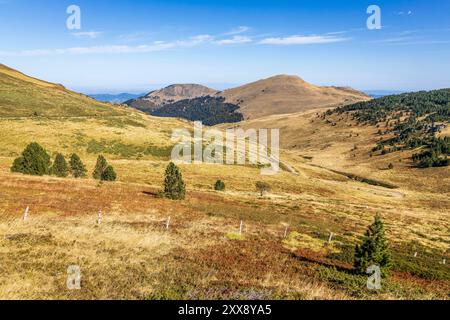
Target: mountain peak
[
  {"x": 286, "y": 77},
  {"x": 170, "y": 94},
  {"x": 283, "y": 93},
  {"x": 182, "y": 91}
]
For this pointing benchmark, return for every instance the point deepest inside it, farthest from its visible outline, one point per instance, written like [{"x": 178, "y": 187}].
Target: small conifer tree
[
  {"x": 59, "y": 167},
  {"x": 373, "y": 250},
  {"x": 109, "y": 174},
  {"x": 174, "y": 187},
  {"x": 77, "y": 167}
]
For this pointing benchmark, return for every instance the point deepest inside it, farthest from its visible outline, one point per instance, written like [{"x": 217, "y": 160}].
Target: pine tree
[
  {"x": 373, "y": 250},
  {"x": 100, "y": 167},
  {"x": 219, "y": 186},
  {"x": 174, "y": 187},
  {"x": 33, "y": 161},
  {"x": 59, "y": 167},
  {"x": 109, "y": 174},
  {"x": 77, "y": 167}
]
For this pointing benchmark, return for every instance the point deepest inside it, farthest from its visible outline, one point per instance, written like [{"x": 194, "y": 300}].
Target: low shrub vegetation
[{"x": 219, "y": 185}]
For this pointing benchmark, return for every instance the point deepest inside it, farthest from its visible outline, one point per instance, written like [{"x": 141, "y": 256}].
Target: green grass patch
[
  {"x": 235, "y": 236},
  {"x": 127, "y": 150}
]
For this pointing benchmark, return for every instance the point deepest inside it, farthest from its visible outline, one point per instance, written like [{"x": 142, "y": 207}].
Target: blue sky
[{"x": 135, "y": 46}]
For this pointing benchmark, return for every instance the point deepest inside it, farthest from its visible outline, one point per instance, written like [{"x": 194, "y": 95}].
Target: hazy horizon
[{"x": 215, "y": 86}]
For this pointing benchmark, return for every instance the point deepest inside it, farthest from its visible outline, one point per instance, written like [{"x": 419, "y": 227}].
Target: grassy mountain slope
[
  {"x": 348, "y": 139},
  {"x": 24, "y": 96},
  {"x": 287, "y": 94},
  {"x": 410, "y": 121}
]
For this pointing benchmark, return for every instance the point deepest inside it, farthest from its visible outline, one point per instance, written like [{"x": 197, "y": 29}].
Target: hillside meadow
[{"x": 131, "y": 254}]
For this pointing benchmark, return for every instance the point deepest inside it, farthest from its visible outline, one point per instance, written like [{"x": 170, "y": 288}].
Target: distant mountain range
[
  {"x": 382, "y": 93},
  {"x": 125, "y": 97},
  {"x": 115, "y": 98}
]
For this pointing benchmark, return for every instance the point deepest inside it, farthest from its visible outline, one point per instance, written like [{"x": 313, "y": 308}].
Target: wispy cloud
[
  {"x": 405, "y": 13},
  {"x": 336, "y": 33},
  {"x": 116, "y": 49},
  {"x": 394, "y": 40},
  {"x": 238, "y": 30},
  {"x": 194, "y": 41},
  {"x": 136, "y": 37},
  {"x": 234, "y": 40},
  {"x": 303, "y": 40},
  {"x": 87, "y": 34}
]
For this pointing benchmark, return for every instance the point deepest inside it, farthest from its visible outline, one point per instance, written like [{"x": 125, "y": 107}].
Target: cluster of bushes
[
  {"x": 436, "y": 154},
  {"x": 103, "y": 171},
  {"x": 36, "y": 161}
]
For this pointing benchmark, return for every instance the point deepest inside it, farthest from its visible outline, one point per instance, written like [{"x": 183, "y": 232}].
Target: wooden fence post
[
  {"x": 330, "y": 237},
  {"x": 99, "y": 217},
  {"x": 25, "y": 214}
]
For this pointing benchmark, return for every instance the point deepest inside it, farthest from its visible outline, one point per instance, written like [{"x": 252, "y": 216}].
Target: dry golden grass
[
  {"x": 311, "y": 139},
  {"x": 18, "y": 75},
  {"x": 131, "y": 255}
]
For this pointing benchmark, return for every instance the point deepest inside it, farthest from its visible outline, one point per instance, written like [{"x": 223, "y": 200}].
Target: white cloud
[
  {"x": 156, "y": 46},
  {"x": 238, "y": 30},
  {"x": 137, "y": 36},
  {"x": 337, "y": 33},
  {"x": 198, "y": 40},
  {"x": 235, "y": 40},
  {"x": 302, "y": 40},
  {"x": 393, "y": 40},
  {"x": 116, "y": 49},
  {"x": 88, "y": 34}
]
